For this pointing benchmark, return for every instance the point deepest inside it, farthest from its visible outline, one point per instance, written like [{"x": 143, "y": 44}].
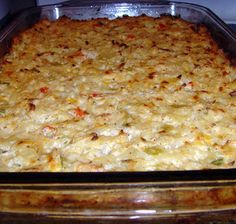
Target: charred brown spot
[
  {"x": 225, "y": 73},
  {"x": 233, "y": 93},
  {"x": 222, "y": 110},
  {"x": 121, "y": 65},
  {"x": 63, "y": 46},
  {"x": 220, "y": 88},
  {"x": 32, "y": 107},
  {"x": 127, "y": 160},
  {"x": 123, "y": 45},
  {"x": 116, "y": 43},
  {"x": 21, "y": 142},
  {"x": 152, "y": 75},
  {"x": 179, "y": 76},
  {"x": 153, "y": 44},
  {"x": 108, "y": 71},
  {"x": 203, "y": 91},
  {"x": 164, "y": 82},
  {"x": 39, "y": 54},
  {"x": 94, "y": 136},
  {"x": 143, "y": 139},
  {"x": 232, "y": 163}
]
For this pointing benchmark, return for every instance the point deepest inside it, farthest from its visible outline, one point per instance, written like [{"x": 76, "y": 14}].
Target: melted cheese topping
[{"x": 130, "y": 94}]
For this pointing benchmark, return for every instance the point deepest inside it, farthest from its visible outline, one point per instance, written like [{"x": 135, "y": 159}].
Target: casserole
[
  {"x": 219, "y": 186},
  {"x": 127, "y": 94}
]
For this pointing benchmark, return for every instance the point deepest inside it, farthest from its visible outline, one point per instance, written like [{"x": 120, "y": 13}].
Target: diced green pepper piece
[
  {"x": 2, "y": 111},
  {"x": 218, "y": 162},
  {"x": 153, "y": 151}
]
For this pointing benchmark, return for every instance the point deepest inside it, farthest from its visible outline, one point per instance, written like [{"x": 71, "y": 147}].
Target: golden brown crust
[{"x": 130, "y": 94}]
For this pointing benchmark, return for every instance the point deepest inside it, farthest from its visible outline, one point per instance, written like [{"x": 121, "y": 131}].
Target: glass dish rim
[{"x": 136, "y": 176}]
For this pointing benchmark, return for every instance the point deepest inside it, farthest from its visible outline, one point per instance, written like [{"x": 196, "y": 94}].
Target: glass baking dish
[{"x": 204, "y": 196}]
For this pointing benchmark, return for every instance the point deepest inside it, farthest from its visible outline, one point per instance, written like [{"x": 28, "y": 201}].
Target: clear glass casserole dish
[{"x": 162, "y": 196}]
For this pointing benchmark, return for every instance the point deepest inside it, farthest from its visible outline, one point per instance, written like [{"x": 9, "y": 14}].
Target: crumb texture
[{"x": 129, "y": 94}]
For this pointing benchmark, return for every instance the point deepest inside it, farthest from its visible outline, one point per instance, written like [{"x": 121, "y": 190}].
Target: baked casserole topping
[{"x": 129, "y": 94}]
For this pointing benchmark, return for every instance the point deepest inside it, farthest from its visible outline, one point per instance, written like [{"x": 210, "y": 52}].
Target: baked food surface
[{"x": 130, "y": 94}]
